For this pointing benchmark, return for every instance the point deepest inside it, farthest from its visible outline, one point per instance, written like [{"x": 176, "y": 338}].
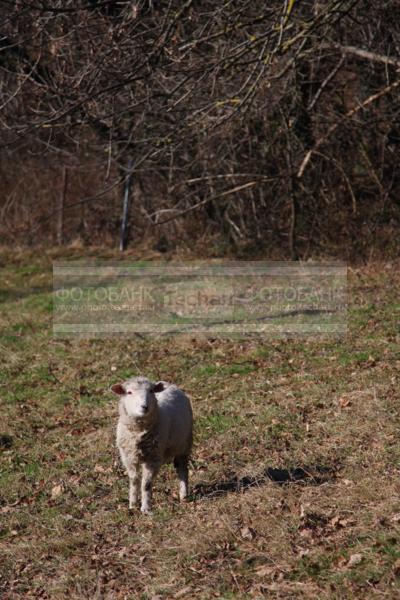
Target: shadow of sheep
[{"x": 316, "y": 475}]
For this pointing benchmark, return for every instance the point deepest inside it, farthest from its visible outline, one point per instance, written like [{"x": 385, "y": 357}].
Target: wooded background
[{"x": 244, "y": 126}]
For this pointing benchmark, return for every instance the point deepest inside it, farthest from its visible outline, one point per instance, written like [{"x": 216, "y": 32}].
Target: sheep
[{"x": 154, "y": 427}]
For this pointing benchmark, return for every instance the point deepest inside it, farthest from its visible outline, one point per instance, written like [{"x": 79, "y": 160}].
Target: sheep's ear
[
  {"x": 118, "y": 389},
  {"x": 158, "y": 387}
]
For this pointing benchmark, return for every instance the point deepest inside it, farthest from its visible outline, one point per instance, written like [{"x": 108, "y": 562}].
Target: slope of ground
[{"x": 295, "y": 469}]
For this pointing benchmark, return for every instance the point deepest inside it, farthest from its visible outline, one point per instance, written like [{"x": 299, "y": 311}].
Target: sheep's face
[{"x": 138, "y": 396}]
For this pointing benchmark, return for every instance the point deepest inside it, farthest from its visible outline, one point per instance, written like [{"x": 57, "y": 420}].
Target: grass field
[{"x": 295, "y": 471}]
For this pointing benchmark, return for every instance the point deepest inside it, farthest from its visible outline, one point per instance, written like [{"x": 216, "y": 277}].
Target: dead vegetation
[
  {"x": 246, "y": 126},
  {"x": 295, "y": 467}
]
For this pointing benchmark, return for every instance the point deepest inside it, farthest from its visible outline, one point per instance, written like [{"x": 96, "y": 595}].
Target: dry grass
[{"x": 295, "y": 468}]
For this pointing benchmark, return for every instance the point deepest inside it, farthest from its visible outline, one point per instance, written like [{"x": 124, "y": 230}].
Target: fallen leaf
[
  {"x": 354, "y": 560},
  {"x": 57, "y": 490},
  {"x": 396, "y": 567},
  {"x": 395, "y": 518},
  {"x": 306, "y": 533},
  {"x": 183, "y": 592},
  {"x": 340, "y": 522},
  {"x": 265, "y": 570},
  {"x": 342, "y": 561},
  {"x": 6, "y": 509},
  {"x": 248, "y": 533},
  {"x": 343, "y": 402},
  {"x": 99, "y": 469}
]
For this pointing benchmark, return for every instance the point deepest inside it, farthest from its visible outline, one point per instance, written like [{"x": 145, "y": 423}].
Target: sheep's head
[{"x": 138, "y": 396}]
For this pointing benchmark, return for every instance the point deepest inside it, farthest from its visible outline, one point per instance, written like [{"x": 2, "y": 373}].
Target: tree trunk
[
  {"x": 61, "y": 205},
  {"x": 126, "y": 206}
]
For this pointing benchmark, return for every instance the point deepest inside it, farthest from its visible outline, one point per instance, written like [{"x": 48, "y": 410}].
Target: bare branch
[
  {"x": 348, "y": 115},
  {"x": 368, "y": 55}
]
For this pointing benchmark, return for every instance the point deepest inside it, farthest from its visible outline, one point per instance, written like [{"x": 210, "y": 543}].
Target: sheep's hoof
[
  {"x": 146, "y": 511},
  {"x": 183, "y": 495}
]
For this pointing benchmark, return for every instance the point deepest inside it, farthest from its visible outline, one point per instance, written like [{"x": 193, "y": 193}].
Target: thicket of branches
[{"x": 254, "y": 123}]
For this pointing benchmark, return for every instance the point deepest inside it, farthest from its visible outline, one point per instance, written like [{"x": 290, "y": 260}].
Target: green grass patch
[
  {"x": 225, "y": 370},
  {"x": 216, "y": 424}
]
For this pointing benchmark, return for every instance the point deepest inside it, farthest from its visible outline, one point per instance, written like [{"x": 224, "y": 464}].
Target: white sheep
[{"x": 154, "y": 427}]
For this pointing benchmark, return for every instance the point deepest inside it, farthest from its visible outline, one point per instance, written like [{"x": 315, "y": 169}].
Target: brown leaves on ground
[{"x": 263, "y": 522}]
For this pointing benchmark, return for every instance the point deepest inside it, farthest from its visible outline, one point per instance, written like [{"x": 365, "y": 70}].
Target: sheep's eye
[{"x": 129, "y": 392}]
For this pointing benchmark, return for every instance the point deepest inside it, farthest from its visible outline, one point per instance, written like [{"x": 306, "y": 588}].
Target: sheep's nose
[{"x": 144, "y": 407}]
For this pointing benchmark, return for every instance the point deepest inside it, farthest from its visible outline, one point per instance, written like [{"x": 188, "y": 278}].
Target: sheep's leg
[
  {"x": 132, "y": 469},
  {"x": 181, "y": 466},
  {"x": 148, "y": 474},
  {"x": 133, "y": 475}
]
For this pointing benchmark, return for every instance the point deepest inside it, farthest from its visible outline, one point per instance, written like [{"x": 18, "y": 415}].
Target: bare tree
[{"x": 247, "y": 114}]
